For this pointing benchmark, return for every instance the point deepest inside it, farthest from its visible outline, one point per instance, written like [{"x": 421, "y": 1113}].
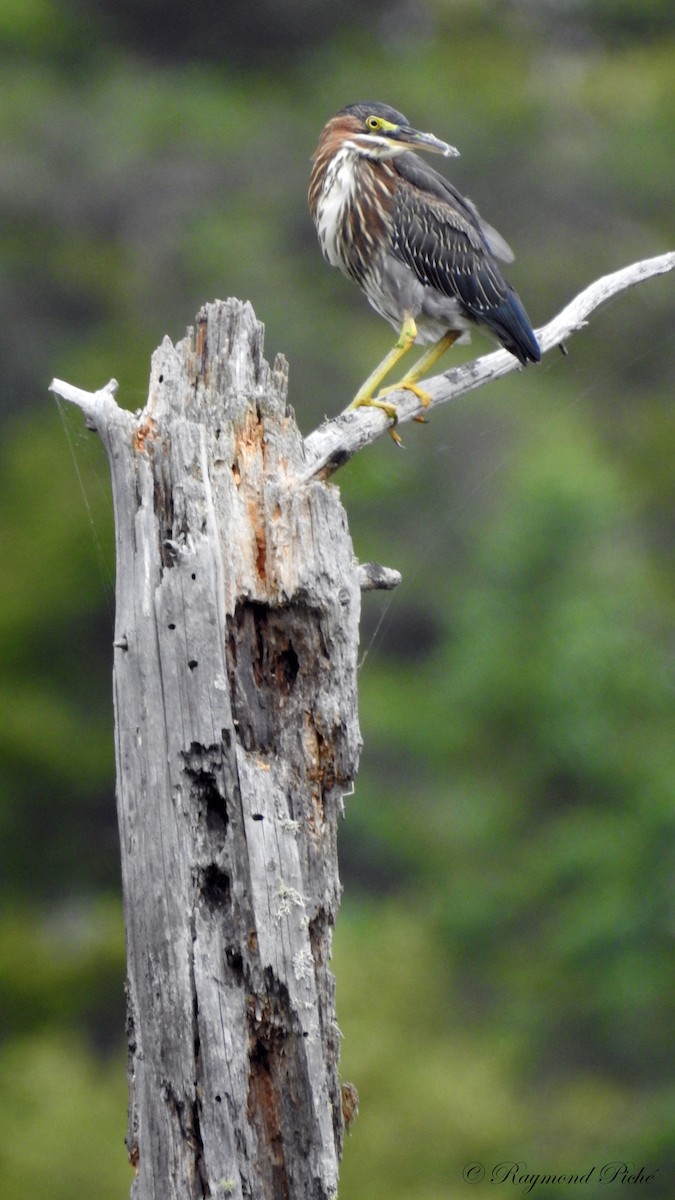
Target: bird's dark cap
[{"x": 365, "y": 108}]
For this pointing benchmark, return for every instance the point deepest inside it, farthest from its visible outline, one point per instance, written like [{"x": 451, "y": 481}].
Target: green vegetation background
[{"x": 504, "y": 956}]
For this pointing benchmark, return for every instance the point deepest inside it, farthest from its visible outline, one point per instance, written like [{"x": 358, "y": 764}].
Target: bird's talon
[
  {"x": 389, "y": 409},
  {"x": 423, "y": 397},
  {"x": 404, "y": 386}
]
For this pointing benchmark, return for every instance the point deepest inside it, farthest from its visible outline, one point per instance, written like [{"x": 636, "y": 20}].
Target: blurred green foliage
[{"x": 505, "y": 956}]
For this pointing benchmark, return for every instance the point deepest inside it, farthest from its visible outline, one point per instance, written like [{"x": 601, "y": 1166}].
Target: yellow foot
[
  {"x": 408, "y": 386},
  {"x": 389, "y": 409},
  {"x": 368, "y": 402}
]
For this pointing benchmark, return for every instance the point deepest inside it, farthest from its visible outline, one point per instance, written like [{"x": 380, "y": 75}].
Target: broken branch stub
[{"x": 237, "y": 737}]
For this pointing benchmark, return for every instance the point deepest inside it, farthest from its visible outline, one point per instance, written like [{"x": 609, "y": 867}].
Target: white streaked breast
[{"x": 336, "y": 195}]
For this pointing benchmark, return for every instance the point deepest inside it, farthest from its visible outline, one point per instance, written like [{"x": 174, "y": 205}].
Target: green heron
[{"x": 420, "y": 251}]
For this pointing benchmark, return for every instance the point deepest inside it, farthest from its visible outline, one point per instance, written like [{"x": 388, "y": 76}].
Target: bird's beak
[{"x": 422, "y": 141}]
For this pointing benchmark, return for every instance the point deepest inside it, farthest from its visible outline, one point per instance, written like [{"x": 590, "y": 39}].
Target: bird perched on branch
[{"x": 420, "y": 251}]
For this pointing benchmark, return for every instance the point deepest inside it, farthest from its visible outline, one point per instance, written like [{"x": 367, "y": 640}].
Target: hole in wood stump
[
  {"x": 287, "y": 666},
  {"x": 270, "y": 652},
  {"x": 203, "y": 766},
  {"x": 234, "y": 959},
  {"x": 214, "y": 886},
  {"x": 320, "y": 936}
]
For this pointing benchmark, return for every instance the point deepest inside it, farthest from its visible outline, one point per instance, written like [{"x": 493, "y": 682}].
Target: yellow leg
[
  {"x": 365, "y": 393},
  {"x": 421, "y": 368}
]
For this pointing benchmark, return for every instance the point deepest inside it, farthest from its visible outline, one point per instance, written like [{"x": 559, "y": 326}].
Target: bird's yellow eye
[{"x": 373, "y": 122}]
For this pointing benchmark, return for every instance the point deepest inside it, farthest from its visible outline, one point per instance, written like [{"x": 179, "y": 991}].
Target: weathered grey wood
[{"x": 237, "y": 737}]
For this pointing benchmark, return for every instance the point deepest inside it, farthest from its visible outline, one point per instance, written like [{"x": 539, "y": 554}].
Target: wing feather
[
  {"x": 440, "y": 236},
  {"x": 421, "y": 175}
]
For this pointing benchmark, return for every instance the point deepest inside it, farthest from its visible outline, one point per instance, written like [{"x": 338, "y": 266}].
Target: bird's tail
[{"x": 512, "y": 326}]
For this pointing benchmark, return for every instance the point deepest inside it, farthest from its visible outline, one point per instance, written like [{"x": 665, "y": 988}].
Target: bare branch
[
  {"x": 337, "y": 440},
  {"x": 94, "y": 405},
  {"x": 374, "y": 577}
]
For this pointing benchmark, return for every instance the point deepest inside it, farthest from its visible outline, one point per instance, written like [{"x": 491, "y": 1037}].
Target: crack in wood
[
  {"x": 263, "y": 1112},
  {"x": 272, "y": 1065},
  {"x": 132, "y": 1127},
  {"x": 163, "y": 502}
]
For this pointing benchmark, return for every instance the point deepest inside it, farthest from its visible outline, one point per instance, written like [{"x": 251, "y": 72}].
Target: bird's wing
[
  {"x": 414, "y": 170},
  {"x": 446, "y": 251},
  {"x": 438, "y": 238}
]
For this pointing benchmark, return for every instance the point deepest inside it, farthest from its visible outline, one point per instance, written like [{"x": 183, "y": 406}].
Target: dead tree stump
[{"x": 237, "y": 737}]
